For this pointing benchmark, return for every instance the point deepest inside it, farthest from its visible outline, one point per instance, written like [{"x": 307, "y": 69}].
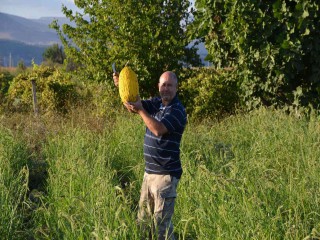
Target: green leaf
[
  {"x": 305, "y": 14},
  {"x": 286, "y": 44},
  {"x": 307, "y": 32}
]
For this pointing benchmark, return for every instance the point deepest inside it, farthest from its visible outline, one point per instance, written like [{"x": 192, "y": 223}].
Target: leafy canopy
[
  {"x": 151, "y": 35},
  {"x": 272, "y": 45}
]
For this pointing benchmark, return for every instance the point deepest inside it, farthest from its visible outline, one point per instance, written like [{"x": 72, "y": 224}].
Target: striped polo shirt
[{"x": 162, "y": 154}]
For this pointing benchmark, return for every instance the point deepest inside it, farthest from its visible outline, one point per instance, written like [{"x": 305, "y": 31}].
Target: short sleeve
[
  {"x": 151, "y": 105},
  {"x": 175, "y": 119}
]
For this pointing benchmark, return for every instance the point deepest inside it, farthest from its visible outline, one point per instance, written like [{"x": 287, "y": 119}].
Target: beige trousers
[{"x": 156, "y": 206}]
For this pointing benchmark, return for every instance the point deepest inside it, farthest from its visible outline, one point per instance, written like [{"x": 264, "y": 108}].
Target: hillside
[
  {"x": 28, "y": 31},
  {"x": 11, "y": 52},
  {"x": 25, "y": 39}
]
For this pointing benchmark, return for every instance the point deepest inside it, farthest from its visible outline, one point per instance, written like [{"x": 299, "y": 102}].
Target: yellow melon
[{"x": 128, "y": 85}]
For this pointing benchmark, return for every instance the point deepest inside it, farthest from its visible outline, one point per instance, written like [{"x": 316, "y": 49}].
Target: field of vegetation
[
  {"x": 251, "y": 149},
  {"x": 249, "y": 176}
]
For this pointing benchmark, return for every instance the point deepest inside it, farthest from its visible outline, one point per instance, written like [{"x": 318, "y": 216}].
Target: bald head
[
  {"x": 168, "y": 83},
  {"x": 169, "y": 75}
]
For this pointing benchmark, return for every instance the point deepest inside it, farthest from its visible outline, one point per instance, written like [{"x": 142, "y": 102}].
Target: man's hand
[
  {"x": 129, "y": 107},
  {"x": 116, "y": 79},
  {"x": 155, "y": 126},
  {"x": 134, "y": 107}
]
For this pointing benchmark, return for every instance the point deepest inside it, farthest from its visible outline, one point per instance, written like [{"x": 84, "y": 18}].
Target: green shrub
[
  {"x": 208, "y": 93},
  {"x": 102, "y": 98},
  {"x": 274, "y": 46},
  {"x": 5, "y": 79},
  {"x": 55, "y": 89}
]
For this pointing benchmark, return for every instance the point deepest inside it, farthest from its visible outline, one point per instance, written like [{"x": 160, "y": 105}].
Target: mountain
[
  {"x": 29, "y": 31},
  {"x": 48, "y": 20},
  {"x": 25, "y": 39}
]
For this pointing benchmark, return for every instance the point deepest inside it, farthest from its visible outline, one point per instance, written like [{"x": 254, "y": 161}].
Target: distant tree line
[
  {"x": 12, "y": 52},
  {"x": 54, "y": 54}
]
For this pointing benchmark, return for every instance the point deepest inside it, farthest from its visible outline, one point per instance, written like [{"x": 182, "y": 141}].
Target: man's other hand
[{"x": 116, "y": 79}]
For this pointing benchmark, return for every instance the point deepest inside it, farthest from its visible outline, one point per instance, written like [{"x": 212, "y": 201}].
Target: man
[{"x": 165, "y": 119}]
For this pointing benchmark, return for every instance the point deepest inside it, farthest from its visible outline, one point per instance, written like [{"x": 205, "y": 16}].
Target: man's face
[{"x": 167, "y": 87}]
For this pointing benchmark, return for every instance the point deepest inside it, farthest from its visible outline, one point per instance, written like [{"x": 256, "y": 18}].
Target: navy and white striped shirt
[{"x": 162, "y": 154}]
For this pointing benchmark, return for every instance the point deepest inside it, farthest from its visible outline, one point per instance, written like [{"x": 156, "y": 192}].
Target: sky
[{"x": 34, "y": 9}]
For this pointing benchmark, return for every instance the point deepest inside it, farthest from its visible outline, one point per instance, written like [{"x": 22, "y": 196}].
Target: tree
[
  {"x": 54, "y": 54},
  {"x": 272, "y": 45},
  {"x": 21, "y": 67},
  {"x": 151, "y": 35}
]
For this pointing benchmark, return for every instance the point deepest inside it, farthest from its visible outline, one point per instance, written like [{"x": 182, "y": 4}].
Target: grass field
[{"x": 252, "y": 176}]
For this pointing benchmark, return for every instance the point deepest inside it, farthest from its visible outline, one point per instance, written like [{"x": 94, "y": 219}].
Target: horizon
[{"x": 38, "y": 18}]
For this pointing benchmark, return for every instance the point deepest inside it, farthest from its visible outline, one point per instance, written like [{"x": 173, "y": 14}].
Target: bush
[
  {"x": 5, "y": 79},
  {"x": 55, "y": 90},
  {"x": 208, "y": 93},
  {"x": 274, "y": 46},
  {"x": 104, "y": 99}
]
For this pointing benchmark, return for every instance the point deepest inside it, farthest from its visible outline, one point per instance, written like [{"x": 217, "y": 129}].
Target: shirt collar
[{"x": 174, "y": 100}]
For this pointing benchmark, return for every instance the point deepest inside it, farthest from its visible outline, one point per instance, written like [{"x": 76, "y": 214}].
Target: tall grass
[
  {"x": 13, "y": 186},
  {"x": 89, "y": 186},
  {"x": 253, "y": 176}
]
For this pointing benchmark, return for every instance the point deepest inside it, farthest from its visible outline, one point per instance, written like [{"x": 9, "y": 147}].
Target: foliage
[
  {"x": 54, "y": 54},
  {"x": 151, "y": 35},
  {"x": 103, "y": 99},
  {"x": 274, "y": 46},
  {"x": 55, "y": 90},
  {"x": 21, "y": 67},
  {"x": 207, "y": 93},
  {"x": 5, "y": 79}
]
